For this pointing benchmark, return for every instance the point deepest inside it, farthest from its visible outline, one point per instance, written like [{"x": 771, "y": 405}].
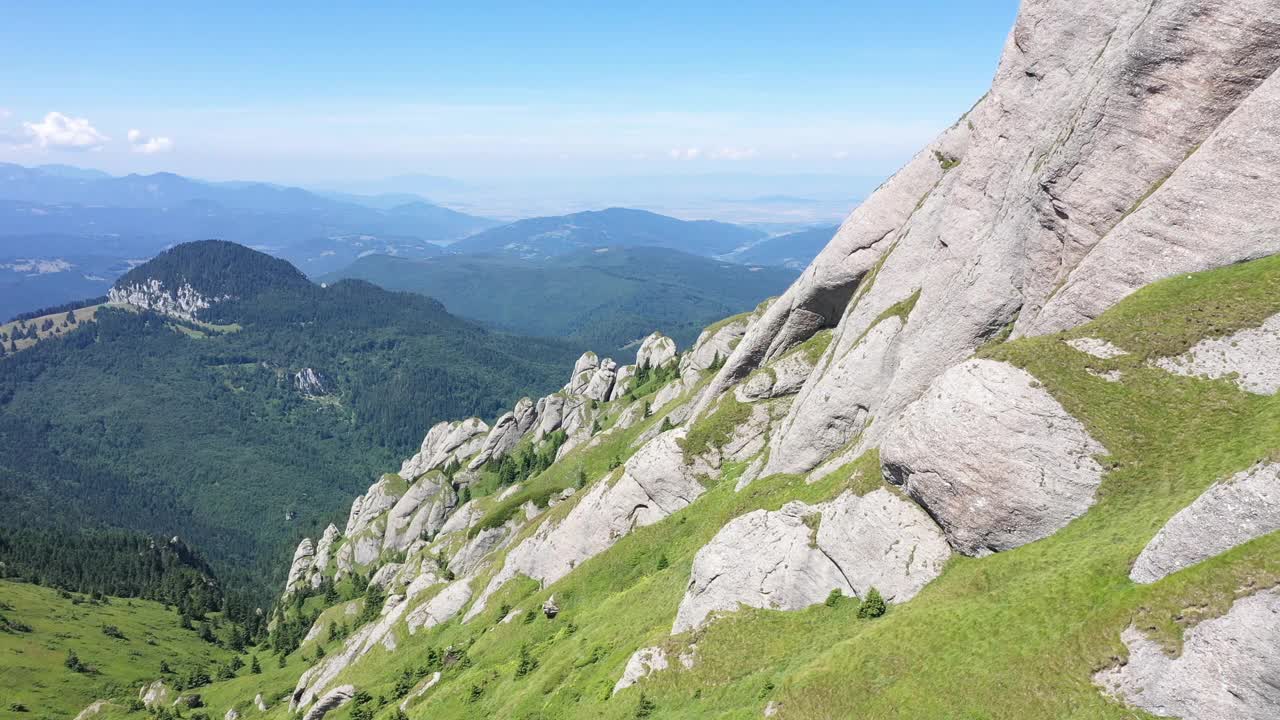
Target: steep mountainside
[
  {"x": 1009, "y": 448},
  {"x": 604, "y": 298},
  {"x": 614, "y": 227},
  {"x": 239, "y": 423}
]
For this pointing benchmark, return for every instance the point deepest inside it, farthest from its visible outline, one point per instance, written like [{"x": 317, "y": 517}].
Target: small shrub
[
  {"x": 663, "y": 563},
  {"x": 834, "y": 598},
  {"x": 873, "y": 605},
  {"x": 527, "y": 662},
  {"x": 112, "y": 631},
  {"x": 645, "y": 707}
]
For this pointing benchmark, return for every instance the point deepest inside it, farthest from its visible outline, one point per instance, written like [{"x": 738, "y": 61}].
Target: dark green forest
[
  {"x": 141, "y": 422},
  {"x": 602, "y": 299}
]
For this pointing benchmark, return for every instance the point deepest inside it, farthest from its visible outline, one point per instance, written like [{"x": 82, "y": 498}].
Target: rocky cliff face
[
  {"x": 183, "y": 302},
  {"x": 964, "y": 406}
]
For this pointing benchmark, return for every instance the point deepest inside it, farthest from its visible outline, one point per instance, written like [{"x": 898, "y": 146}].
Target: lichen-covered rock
[
  {"x": 583, "y": 369},
  {"x": 1229, "y": 668},
  {"x": 331, "y": 701},
  {"x": 784, "y": 376},
  {"x": 444, "y": 443},
  {"x": 506, "y": 433},
  {"x": 324, "y": 554},
  {"x": 883, "y": 541},
  {"x": 601, "y": 382},
  {"x": 303, "y": 559},
  {"x": 385, "y": 574},
  {"x": 763, "y": 559},
  {"x": 792, "y": 558},
  {"x": 397, "y": 535},
  {"x": 1249, "y": 356},
  {"x": 993, "y": 458},
  {"x": 716, "y": 342},
  {"x": 622, "y": 381},
  {"x": 655, "y": 351},
  {"x": 471, "y": 555},
  {"x": 155, "y": 694},
  {"x": 654, "y": 483},
  {"x": 642, "y": 663},
  {"x": 1228, "y": 514},
  {"x": 380, "y": 497},
  {"x": 440, "y": 608}
]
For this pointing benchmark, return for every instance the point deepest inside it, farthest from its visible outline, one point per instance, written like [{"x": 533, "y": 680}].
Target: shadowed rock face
[
  {"x": 1228, "y": 514},
  {"x": 1229, "y": 667},
  {"x": 993, "y": 458}
]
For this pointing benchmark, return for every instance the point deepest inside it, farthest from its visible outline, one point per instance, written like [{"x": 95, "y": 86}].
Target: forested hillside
[
  {"x": 602, "y": 298},
  {"x": 251, "y": 425}
]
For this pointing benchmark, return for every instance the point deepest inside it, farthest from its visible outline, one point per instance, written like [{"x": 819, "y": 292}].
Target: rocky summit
[{"x": 1006, "y": 449}]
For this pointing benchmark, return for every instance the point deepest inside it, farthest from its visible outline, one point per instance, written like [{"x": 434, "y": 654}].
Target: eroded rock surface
[
  {"x": 1228, "y": 514},
  {"x": 331, "y": 701},
  {"x": 1229, "y": 668},
  {"x": 1252, "y": 356},
  {"x": 993, "y": 458},
  {"x": 643, "y": 663}
]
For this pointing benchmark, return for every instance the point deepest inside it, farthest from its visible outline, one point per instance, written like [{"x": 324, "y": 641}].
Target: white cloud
[
  {"x": 62, "y": 132},
  {"x": 4, "y": 113},
  {"x": 686, "y": 153},
  {"x": 149, "y": 145},
  {"x": 841, "y": 155},
  {"x": 731, "y": 153}
]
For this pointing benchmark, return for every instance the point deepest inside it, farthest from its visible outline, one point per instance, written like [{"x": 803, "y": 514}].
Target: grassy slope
[
  {"x": 1015, "y": 635},
  {"x": 32, "y": 671}
]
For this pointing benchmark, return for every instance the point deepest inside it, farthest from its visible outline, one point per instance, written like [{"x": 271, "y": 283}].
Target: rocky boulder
[
  {"x": 303, "y": 559},
  {"x": 583, "y": 369},
  {"x": 993, "y": 458},
  {"x": 310, "y": 383},
  {"x": 1228, "y": 514},
  {"x": 331, "y": 701},
  {"x": 642, "y": 663},
  {"x": 655, "y": 351}
]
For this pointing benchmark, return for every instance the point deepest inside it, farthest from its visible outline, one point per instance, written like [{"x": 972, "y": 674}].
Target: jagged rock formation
[
  {"x": 1229, "y": 667},
  {"x": 993, "y": 458},
  {"x": 156, "y": 694},
  {"x": 183, "y": 302},
  {"x": 303, "y": 560},
  {"x": 310, "y": 383},
  {"x": 1230, "y": 513}
]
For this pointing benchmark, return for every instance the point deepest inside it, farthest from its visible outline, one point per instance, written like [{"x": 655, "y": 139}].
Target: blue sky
[{"x": 491, "y": 90}]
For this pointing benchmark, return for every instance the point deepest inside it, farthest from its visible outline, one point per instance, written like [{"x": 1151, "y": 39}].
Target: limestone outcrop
[
  {"x": 794, "y": 557},
  {"x": 654, "y": 483},
  {"x": 183, "y": 302},
  {"x": 656, "y": 351},
  {"x": 993, "y": 458},
  {"x": 1228, "y": 514},
  {"x": 1229, "y": 667},
  {"x": 303, "y": 559},
  {"x": 331, "y": 701}
]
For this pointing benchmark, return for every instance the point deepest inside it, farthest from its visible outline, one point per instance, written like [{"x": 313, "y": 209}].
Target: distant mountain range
[
  {"x": 615, "y": 227},
  {"x": 601, "y": 298},
  {"x": 67, "y": 233}
]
